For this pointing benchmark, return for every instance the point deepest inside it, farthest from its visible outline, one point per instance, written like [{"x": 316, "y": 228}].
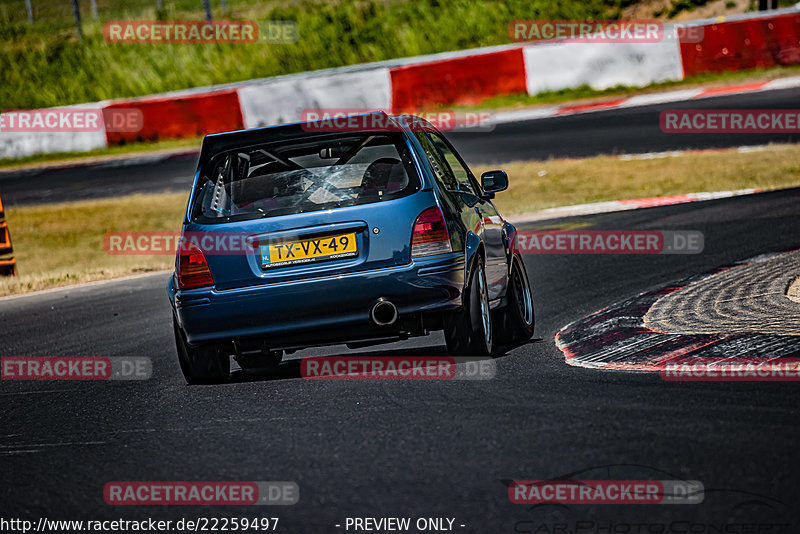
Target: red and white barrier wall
[
  {"x": 19, "y": 144},
  {"x": 190, "y": 115},
  {"x": 551, "y": 67},
  {"x": 743, "y": 42},
  {"x": 462, "y": 80},
  {"x": 284, "y": 99},
  {"x": 763, "y": 41}
]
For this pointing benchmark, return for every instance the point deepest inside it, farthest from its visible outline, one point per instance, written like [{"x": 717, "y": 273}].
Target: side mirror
[{"x": 493, "y": 182}]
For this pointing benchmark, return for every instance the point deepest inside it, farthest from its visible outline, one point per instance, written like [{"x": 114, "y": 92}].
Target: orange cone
[{"x": 8, "y": 265}]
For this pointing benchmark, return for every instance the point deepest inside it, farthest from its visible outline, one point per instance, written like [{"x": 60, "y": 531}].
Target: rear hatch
[{"x": 309, "y": 206}]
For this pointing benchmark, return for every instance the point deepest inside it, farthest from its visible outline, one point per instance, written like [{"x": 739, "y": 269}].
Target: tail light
[
  {"x": 193, "y": 268},
  {"x": 430, "y": 234}
]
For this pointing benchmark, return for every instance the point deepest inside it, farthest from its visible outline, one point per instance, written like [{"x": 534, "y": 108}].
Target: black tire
[
  {"x": 468, "y": 331},
  {"x": 202, "y": 364},
  {"x": 515, "y": 322}
]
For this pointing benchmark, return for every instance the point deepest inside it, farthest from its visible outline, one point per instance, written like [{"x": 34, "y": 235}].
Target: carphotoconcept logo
[
  {"x": 730, "y": 121},
  {"x": 201, "y": 32},
  {"x": 609, "y": 242},
  {"x": 76, "y": 368},
  {"x": 218, "y": 493},
  {"x": 397, "y": 368}
]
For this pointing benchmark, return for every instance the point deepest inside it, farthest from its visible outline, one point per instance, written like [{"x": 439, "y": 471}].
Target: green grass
[
  {"x": 681, "y": 5},
  {"x": 62, "y": 244},
  {"x": 537, "y": 185},
  {"x": 46, "y": 65}
]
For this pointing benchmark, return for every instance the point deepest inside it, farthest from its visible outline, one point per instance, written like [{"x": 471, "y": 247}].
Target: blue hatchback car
[{"x": 344, "y": 236}]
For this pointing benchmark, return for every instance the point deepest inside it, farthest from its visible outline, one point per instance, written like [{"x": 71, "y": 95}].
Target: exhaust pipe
[{"x": 383, "y": 313}]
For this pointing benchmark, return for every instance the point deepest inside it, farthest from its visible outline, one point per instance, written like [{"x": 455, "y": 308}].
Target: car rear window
[{"x": 304, "y": 175}]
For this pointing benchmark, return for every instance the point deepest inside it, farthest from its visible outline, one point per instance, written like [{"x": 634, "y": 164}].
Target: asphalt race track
[
  {"x": 413, "y": 448},
  {"x": 438, "y": 449},
  {"x": 622, "y": 131}
]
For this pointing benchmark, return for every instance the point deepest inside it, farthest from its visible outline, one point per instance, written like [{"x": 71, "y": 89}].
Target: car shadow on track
[{"x": 292, "y": 368}]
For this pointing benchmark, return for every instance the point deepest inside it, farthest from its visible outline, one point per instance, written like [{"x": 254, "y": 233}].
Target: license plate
[{"x": 285, "y": 253}]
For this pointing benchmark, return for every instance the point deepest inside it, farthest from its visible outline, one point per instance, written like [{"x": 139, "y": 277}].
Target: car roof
[{"x": 220, "y": 142}]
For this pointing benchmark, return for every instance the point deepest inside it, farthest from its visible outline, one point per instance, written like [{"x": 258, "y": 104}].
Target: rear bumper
[{"x": 325, "y": 309}]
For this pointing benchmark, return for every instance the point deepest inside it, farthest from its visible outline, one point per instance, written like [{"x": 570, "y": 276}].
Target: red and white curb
[
  {"x": 625, "y": 205},
  {"x": 647, "y": 99},
  {"x": 676, "y": 153},
  {"x": 616, "y": 337}
]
